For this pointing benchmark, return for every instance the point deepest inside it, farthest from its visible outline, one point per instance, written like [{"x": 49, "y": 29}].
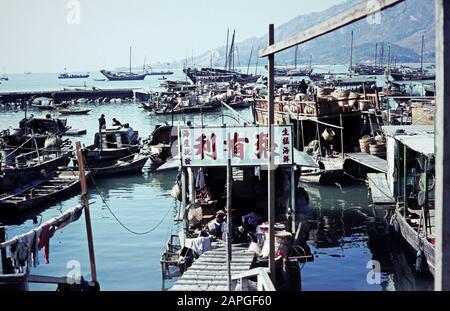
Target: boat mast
[
  {"x": 295, "y": 57},
  {"x": 230, "y": 54},
  {"x": 376, "y": 52},
  {"x": 421, "y": 54},
  {"x": 130, "y": 58},
  {"x": 256, "y": 65},
  {"x": 226, "y": 49},
  {"x": 250, "y": 59},
  {"x": 310, "y": 61},
  {"x": 351, "y": 55},
  {"x": 389, "y": 58}
]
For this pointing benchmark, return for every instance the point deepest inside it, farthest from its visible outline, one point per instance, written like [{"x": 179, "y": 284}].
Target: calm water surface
[{"x": 127, "y": 261}]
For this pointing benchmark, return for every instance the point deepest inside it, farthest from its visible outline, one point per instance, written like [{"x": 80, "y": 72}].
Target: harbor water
[{"x": 124, "y": 207}]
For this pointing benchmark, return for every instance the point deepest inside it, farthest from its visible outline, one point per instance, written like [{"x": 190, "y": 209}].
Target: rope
[{"x": 118, "y": 220}]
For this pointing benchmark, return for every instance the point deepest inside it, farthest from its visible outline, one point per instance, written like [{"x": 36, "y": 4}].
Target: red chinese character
[
  {"x": 185, "y": 133},
  {"x": 187, "y": 152},
  {"x": 262, "y": 145},
  {"x": 285, "y": 150},
  {"x": 206, "y": 147},
  {"x": 186, "y": 143},
  {"x": 237, "y": 143},
  {"x": 285, "y": 132},
  {"x": 187, "y": 161},
  {"x": 286, "y": 140},
  {"x": 286, "y": 159}
]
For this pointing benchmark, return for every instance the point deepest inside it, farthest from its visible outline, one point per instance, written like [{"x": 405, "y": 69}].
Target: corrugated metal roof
[
  {"x": 390, "y": 130},
  {"x": 422, "y": 143},
  {"x": 303, "y": 159}
]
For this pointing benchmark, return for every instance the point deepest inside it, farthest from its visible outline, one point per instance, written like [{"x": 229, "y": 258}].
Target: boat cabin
[{"x": 116, "y": 138}]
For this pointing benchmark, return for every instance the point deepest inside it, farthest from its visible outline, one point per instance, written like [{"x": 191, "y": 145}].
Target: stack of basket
[
  {"x": 378, "y": 147},
  {"x": 364, "y": 143}
]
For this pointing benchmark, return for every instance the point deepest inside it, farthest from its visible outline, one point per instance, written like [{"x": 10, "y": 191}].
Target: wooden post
[
  {"x": 271, "y": 168},
  {"x": 191, "y": 186},
  {"x": 229, "y": 224},
  {"x": 342, "y": 135},
  {"x": 293, "y": 188},
  {"x": 87, "y": 214},
  {"x": 3, "y": 250},
  {"x": 377, "y": 100},
  {"x": 442, "y": 147},
  {"x": 303, "y": 135},
  {"x": 183, "y": 202},
  {"x": 405, "y": 179}
]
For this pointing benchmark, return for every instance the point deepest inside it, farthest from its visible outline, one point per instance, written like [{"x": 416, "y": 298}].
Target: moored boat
[{"x": 40, "y": 192}]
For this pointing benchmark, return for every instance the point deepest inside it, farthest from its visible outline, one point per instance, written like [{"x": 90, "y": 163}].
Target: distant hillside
[{"x": 401, "y": 27}]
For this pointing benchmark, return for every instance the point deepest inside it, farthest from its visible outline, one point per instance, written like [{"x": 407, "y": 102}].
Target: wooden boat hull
[
  {"x": 75, "y": 111},
  {"x": 129, "y": 165},
  {"x": 13, "y": 178},
  {"x": 193, "y": 109},
  {"x": 94, "y": 157},
  {"x": 40, "y": 193},
  {"x": 414, "y": 240}
]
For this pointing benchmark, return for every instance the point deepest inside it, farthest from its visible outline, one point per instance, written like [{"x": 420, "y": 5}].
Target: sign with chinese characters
[{"x": 249, "y": 145}]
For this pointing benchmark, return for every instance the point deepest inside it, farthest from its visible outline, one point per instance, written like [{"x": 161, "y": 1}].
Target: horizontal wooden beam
[{"x": 356, "y": 13}]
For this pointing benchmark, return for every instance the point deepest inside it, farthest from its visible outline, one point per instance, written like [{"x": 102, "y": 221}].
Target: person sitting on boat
[
  {"x": 116, "y": 122},
  {"x": 215, "y": 226}
]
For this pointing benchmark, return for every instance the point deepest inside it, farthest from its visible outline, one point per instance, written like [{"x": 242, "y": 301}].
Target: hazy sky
[{"x": 44, "y": 36}]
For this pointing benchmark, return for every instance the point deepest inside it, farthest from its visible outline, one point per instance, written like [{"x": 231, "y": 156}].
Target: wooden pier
[{"x": 209, "y": 271}]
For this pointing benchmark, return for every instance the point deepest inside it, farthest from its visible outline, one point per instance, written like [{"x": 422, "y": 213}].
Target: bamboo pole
[
  {"x": 87, "y": 214},
  {"x": 271, "y": 168},
  {"x": 229, "y": 224}
]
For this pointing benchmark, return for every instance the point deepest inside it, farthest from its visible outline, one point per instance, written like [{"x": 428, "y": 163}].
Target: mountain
[{"x": 400, "y": 27}]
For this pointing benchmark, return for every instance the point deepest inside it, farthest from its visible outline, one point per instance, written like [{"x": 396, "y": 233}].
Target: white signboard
[{"x": 213, "y": 146}]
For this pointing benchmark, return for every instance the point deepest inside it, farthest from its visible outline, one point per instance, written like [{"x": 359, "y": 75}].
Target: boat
[
  {"x": 4, "y": 77},
  {"x": 32, "y": 132},
  {"x": 123, "y": 75},
  {"x": 30, "y": 166},
  {"x": 73, "y": 111},
  {"x": 66, "y": 75},
  {"x": 131, "y": 164},
  {"x": 227, "y": 74},
  {"x": 41, "y": 192},
  {"x": 412, "y": 158},
  {"x": 112, "y": 144},
  {"x": 99, "y": 80},
  {"x": 27, "y": 72},
  {"x": 408, "y": 74},
  {"x": 219, "y": 75}
]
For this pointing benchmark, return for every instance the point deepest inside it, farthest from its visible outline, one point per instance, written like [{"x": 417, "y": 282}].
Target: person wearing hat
[{"x": 215, "y": 225}]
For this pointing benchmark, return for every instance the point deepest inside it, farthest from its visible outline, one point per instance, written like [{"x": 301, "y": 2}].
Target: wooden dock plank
[
  {"x": 209, "y": 271},
  {"x": 379, "y": 189}
]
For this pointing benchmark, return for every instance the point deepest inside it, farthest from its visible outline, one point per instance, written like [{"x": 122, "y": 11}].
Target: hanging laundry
[
  {"x": 25, "y": 251},
  {"x": 44, "y": 239},
  {"x": 200, "y": 181},
  {"x": 199, "y": 245},
  {"x": 71, "y": 216}
]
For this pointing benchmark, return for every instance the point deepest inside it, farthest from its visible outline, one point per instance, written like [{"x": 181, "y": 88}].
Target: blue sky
[{"x": 36, "y": 36}]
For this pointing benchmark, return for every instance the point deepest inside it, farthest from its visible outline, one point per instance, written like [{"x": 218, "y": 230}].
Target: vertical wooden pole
[
  {"x": 342, "y": 135},
  {"x": 183, "y": 201},
  {"x": 405, "y": 179},
  {"x": 3, "y": 250},
  {"x": 271, "y": 168},
  {"x": 293, "y": 187},
  {"x": 229, "y": 224},
  {"x": 442, "y": 147},
  {"x": 87, "y": 214}
]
